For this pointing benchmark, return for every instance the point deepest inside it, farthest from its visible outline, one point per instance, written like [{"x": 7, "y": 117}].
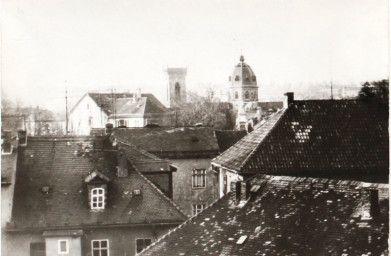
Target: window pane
[
  {"x": 103, "y": 244},
  {"x": 95, "y": 244},
  {"x": 147, "y": 242},
  {"x": 95, "y": 253},
  {"x": 104, "y": 253},
  {"x": 63, "y": 246}
]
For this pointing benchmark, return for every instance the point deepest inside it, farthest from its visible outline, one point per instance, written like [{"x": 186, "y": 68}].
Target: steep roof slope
[
  {"x": 338, "y": 138},
  {"x": 235, "y": 156},
  {"x": 53, "y": 163},
  {"x": 325, "y": 136},
  {"x": 286, "y": 216}
]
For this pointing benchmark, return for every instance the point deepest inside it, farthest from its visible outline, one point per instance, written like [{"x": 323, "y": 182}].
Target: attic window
[{"x": 97, "y": 198}]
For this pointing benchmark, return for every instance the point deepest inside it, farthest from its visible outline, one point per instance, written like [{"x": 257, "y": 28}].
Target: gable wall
[
  {"x": 79, "y": 118},
  {"x": 184, "y": 195}
]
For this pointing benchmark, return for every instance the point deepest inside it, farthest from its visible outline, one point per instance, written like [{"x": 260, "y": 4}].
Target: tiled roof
[
  {"x": 325, "y": 136},
  {"x": 172, "y": 142},
  {"x": 54, "y": 164},
  {"x": 286, "y": 216},
  {"x": 234, "y": 157},
  {"x": 106, "y": 100},
  {"x": 227, "y": 138},
  {"x": 317, "y": 137}
]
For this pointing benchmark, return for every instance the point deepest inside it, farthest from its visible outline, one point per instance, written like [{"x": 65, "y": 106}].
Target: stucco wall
[
  {"x": 74, "y": 246},
  {"x": 80, "y": 116},
  {"x": 8, "y": 165},
  {"x": 122, "y": 241},
  {"x": 184, "y": 195}
]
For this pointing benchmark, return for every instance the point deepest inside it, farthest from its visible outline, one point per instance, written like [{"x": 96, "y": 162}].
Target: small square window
[
  {"x": 198, "y": 178},
  {"x": 197, "y": 208},
  {"x": 143, "y": 243},
  {"x": 63, "y": 247},
  {"x": 100, "y": 247}
]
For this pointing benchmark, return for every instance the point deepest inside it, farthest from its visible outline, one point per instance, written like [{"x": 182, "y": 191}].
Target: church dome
[{"x": 243, "y": 75}]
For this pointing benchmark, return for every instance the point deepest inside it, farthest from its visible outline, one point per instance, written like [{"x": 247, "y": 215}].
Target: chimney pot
[{"x": 290, "y": 98}]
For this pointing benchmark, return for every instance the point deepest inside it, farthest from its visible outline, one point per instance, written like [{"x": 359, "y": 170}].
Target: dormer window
[
  {"x": 97, "y": 190},
  {"x": 97, "y": 198}
]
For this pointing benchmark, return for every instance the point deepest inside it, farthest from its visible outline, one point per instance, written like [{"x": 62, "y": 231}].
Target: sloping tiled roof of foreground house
[
  {"x": 51, "y": 193},
  {"x": 326, "y": 138},
  {"x": 282, "y": 215}
]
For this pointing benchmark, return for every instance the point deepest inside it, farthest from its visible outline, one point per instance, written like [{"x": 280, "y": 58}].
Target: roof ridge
[
  {"x": 158, "y": 190},
  {"x": 282, "y": 111},
  {"x": 185, "y": 222}
]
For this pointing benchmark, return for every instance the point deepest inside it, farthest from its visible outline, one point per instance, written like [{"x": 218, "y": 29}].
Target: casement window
[
  {"x": 142, "y": 243},
  {"x": 198, "y": 178},
  {"x": 100, "y": 247},
  {"x": 63, "y": 247},
  {"x": 97, "y": 198},
  {"x": 197, "y": 208},
  {"x": 37, "y": 249}
]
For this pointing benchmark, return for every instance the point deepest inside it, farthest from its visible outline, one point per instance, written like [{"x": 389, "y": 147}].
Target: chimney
[
  {"x": 290, "y": 98},
  {"x": 22, "y": 137},
  {"x": 109, "y": 129},
  {"x": 122, "y": 168},
  {"x": 374, "y": 209},
  {"x": 138, "y": 93},
  {"x": 241, "y": 190}
]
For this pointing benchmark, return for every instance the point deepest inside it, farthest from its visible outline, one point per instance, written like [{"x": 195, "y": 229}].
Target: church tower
[
  {"x": 242, "y": 84},
  {"x": 176, "y": 91}
]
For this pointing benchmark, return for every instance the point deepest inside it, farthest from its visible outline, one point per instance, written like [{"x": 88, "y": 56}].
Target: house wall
[
  {"x": 225, "y": 178},
  {"x": 122, "y": 241},
  {"x": 8, "y": 165},
  {"x": 184, "y": 195},
  {"x": 79, "y": 119},
  {"x": 74, "y": 246}
]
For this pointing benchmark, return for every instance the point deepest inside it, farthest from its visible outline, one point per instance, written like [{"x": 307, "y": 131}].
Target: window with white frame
[
  {"x": 100, "y": 247},
  {"x": 197, "y": 208},
  {"x": 142, "y": 243},
  {"x": 122, "y": 123},
  {"x": 63, "y": 247},
  {"x": 198, "y": 178},
  {"x": 97, "y": 198}
]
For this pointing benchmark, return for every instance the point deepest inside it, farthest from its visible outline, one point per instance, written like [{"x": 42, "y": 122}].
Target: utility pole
[
  {"x": 66, "y": 108},
  {"x": 331, "y": 89}
]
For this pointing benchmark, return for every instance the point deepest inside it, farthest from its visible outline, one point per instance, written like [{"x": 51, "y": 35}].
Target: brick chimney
[{"x": 290, "y": 98}]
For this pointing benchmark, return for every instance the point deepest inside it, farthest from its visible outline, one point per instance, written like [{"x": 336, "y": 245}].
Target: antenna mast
[{"x": 66, "y": 108}]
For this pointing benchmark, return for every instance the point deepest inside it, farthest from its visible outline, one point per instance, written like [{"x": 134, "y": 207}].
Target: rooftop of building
[
  {"x": 287, "y": 216},
  {"x": 341, "y": 138},
  {"x": 125, "y": 103},
  {"x": 51, "y": 190}
]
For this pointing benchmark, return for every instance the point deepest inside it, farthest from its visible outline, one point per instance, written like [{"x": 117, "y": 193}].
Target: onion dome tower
[{"x": 242, "y": 84}]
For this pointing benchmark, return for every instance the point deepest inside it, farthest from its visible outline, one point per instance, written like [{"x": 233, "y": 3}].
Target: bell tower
[{"x": 176, "y": 90}]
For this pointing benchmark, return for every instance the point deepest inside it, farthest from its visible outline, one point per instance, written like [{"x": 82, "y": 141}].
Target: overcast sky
[{"x": 126, "y": 44}]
